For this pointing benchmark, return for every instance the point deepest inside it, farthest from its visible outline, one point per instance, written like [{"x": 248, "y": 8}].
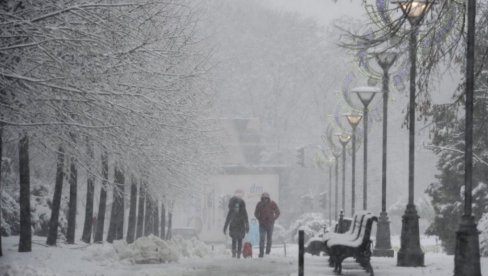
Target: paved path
[{"x": 269, "y": 266}]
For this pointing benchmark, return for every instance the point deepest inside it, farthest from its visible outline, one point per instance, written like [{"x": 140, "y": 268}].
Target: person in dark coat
[
  {"x": 266, "y": 212},
  {"x": 238, "y": 224}
]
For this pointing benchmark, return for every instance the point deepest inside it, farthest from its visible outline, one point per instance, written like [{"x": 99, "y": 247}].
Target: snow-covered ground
[{"x": 103, "y": 259}]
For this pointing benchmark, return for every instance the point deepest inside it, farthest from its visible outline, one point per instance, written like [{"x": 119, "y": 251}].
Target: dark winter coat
[
  {"x": 267, "y": 212},
  {"x": 237, "y": 219}
]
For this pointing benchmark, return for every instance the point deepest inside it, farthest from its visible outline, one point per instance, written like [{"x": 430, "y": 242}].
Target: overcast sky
[{"x": 323, "y": 11}]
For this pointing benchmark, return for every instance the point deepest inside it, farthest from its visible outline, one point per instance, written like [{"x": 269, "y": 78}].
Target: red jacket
[{"x": 267, "y": 212}]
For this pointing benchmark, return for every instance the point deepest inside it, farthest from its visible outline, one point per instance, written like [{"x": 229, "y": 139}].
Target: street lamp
[
  {"x": 385, "y": 60},
  {"x": 353, "y": 120},
  {"x": 410, "y": 253},
  {"x": 467, "y": 254},
  {"x": 366, "y": 95},
  {"x": 344, "y": 138}
]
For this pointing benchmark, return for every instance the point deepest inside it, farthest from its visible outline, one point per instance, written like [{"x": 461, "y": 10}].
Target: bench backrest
[
  {"x": 365, "y": 228},
  {"x": 358, "y": 222},
  {"x": 361, "y": 237}
]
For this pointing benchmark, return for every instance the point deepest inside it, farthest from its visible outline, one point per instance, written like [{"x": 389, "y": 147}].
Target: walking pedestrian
[
  {"x": 266, "y": 212},
  {"x": 238, "y": 223}
]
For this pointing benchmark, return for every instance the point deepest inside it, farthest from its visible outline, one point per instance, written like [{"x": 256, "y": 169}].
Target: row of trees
[{"x": 99, "y": 83}]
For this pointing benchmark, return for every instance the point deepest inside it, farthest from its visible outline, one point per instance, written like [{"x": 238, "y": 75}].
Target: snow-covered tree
[
  {"x": 448, "y": 143},
  {"x": 107, "y": 77}
]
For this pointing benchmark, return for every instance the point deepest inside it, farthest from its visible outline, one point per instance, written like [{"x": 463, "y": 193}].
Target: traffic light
[
  {"x": 323, "y": 200},
  {"x": 222, "y": 202},
  {"x": 301, "y": 156}
]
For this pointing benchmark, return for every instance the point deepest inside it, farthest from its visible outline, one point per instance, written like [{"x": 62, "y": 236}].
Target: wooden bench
[{"x": 356, "y": 244}]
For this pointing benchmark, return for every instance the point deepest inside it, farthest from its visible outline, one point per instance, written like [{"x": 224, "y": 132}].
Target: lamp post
[
  {"x": 353, "y": 120},
  {"x": 366, "y": 95},
  {"x": 336, "y": 161},
  {"x": 330, "y": 190},
  {"x": 385, "y": 60},
  {"x": 467, "y": 253},
  {"x": 344, "y": 138},
  {"x": 410, "y": 253}
]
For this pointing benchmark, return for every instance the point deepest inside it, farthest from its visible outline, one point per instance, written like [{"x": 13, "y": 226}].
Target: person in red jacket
[{"x": 266, "y": 212}]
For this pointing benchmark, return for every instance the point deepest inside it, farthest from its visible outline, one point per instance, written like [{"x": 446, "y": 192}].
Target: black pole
[
  {"x": 410, "y": 253},
  {"x": 467, "y": 254},
  {"x": 365, "y": 156},
  {"x": 353, "y": 172},
  {"x": 330, "y": 194},
  {"x": 383, "y": 237},
  {"x": 344, "y": 177},
  {"x": 301, "y": 252},
  {"x": 336, "y": 184},
  {"x": 468, "y": 156},
  {"x": 411, "y": 119}
]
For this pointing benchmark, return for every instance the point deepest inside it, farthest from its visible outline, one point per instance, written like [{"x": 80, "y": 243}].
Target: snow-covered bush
[
  {"x": 8, "y": 199},
  {"x": 41, "y": 193},
  {"x": 311, "y": 223},
  {"x": 41, "y": 210},
  {"x": 483, "y": 228},
  {"x": 10, "y": 215},
  {"x": 279, "y": 233}
]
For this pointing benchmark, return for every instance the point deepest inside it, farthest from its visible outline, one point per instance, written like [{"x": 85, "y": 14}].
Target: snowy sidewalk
[{"x": 101, "y": 259}]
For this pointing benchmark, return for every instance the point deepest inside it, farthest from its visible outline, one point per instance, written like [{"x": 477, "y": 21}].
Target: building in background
[{"x": 240, "y": 169}]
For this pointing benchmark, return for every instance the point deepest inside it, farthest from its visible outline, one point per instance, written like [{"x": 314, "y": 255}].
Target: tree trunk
[
  {"x": 73, "y": 187},
  {"x": 170, "y": 218},
  {"x": 90, "y": 190},
  {"x": 131, "y": 229},
  {"x": 163, "y": 221},
  {"x": 156, "y": 219},
  {"x": 58, "y": 189},
  {"x": 103, "y": 200},
  {"x": 148, "y": 217},
  {"x": 119, "y": 230},
  {"x": 1, "y": 190},
  {"x": 140, "y": 211},
  {"x": 117, "y": 212},
  {"x": 25, "y": 242}
]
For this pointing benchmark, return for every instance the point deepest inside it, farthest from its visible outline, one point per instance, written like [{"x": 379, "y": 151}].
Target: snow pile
[
  {"x": 146, "y": 250},
  {"x": 102, "y": 253},
  {"x": 24, "y": 270},
  {"x": 153, "y": 250},
  {"x": 190, "y": 248}
]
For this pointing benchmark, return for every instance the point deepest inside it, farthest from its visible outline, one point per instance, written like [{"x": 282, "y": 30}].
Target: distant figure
[
  {"x": 253, "y": 235},
  {"x": 238, "y": 223},
  {"x": 266, "y": 212}
]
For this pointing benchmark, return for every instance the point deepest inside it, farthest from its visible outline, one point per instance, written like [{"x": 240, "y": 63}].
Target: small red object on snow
[{"x": 247, "y": 250}]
